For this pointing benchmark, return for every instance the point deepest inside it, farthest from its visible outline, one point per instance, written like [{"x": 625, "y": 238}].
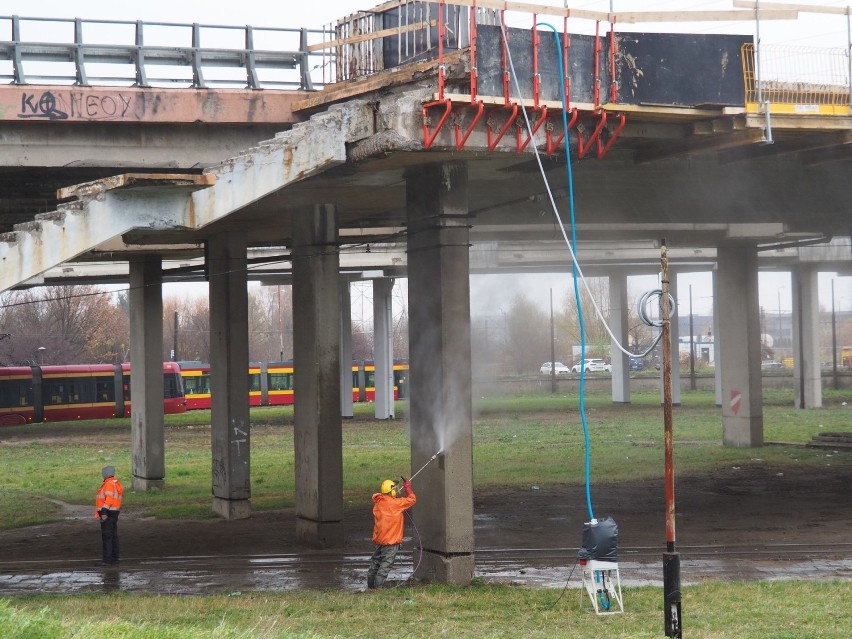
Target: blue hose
[{"x": 570, "y": 178}]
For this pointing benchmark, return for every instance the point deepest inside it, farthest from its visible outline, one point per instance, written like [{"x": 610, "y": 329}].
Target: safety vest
[{"x": 109, "y": 495}]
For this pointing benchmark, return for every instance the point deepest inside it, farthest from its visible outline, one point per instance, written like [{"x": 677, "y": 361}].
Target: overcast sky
[{"x": 808, "y": 30}]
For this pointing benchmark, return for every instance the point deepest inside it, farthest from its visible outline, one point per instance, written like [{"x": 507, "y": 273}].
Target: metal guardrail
[
  {"x": 112, "y": 52},
  {"x": 801, "y": 80}
]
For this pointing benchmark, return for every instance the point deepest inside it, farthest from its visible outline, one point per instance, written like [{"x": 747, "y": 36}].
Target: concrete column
[
  {"x": 146, "y": 380},
  {"x": 316, "y": 358},
  {"x": 738, "y": 346},
  {"x": 717, "y": 361},
  {"x": 383, "y": 347},
  {"x": 807, "y": 374},
  {"x": 618, "y": 322},
  {"x": 346, "y": 377},
  {"x": 230, "y": 422},
  {"x": 440, "y": 369}
]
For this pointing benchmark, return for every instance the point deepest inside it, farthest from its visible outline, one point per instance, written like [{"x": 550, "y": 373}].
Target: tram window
[
  {"x": 126, "y": 383},
  {"x": 280, "y": 381},
  {"x": 370, "y": 379},
  {"x": 199, "y": 385},
  {"x": 104, "y": 389},
  {"x": 254, "y": 382},
  {"x": 67, "y": 390},
  {"x": 171, "y": 385},
  {"x": 15, "y": 393}
]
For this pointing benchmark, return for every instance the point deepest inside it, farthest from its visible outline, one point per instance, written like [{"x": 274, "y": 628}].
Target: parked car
[
  {"x": 558, "y": 367},
  {"x": 592, "y": 366},
  {"x": 771, "y": 364},
  {"x": 637, "y": 364}
]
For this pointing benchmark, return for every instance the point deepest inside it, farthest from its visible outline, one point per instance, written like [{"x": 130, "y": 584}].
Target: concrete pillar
[
  {"x": 230, "y": 425},
  {"x": 440, "y": 392},
  {"x": 146, "y": 380},
  {"x": 738, "y": 346},
  {"x": 618, "y": 322},
  {"x": 316, "y": 358},
  {"x": 807, "y": 373},
  {"x": 383, "y": 346},
  {"x": 717, "y": 361},
  {"x": 346, "y": 378}
]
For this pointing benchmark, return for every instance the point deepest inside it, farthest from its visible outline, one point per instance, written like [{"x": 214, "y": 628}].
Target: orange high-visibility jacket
[
  {"x": 387, "y": 511},
  {"x": 109, "y": 495}
]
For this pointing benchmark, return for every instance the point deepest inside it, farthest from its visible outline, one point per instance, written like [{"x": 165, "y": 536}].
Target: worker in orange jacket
[
  {"x": 107, "y": 508},
  {"x": 388, "y": 529}
]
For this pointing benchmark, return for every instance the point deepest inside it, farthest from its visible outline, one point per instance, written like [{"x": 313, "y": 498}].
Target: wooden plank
[
  {"x": 700, "y": 16},
  {"x": 365, "y": 84},
  {"x": 628, "y": 17},
  {"x": 783, "y": 6},
  {"x": 373, "y": 35}
]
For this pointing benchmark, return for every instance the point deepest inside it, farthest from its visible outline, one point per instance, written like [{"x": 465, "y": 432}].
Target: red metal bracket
[
  {"x": 551, "y": 145},
  {"x": 613, "y": 136},
  {"x": 493, "y": 140},
  {"x": 519, "y": 142},
  {"x": 583, "y": 147},
  {"x": 461, "y": 140},
  {"x": 429, "y": 136}
]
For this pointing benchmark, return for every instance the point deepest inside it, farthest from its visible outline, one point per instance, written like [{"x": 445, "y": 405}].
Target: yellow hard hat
[{"x": 389, "y": 487}]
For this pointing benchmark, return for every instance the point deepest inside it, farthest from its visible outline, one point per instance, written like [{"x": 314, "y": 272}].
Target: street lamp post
[{"x": 40, "y": 355}]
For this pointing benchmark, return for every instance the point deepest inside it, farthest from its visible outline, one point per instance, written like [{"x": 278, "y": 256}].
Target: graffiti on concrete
[{"x": 77, "y": 105}]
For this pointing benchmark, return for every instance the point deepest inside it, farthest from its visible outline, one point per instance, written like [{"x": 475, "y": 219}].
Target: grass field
[
  {"x": 517, "y": 442},
  {"x": 763, "y": 610}
]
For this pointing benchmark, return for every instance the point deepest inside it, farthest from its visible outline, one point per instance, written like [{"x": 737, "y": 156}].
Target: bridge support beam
[
  {"x": 146, "y": 382},
  {"x": 440, "y": 395},
  {"x": 739, "y": 346},
  {"x": 383, "y": 347},
  {"x": 347, "y": 408},
  {"x": 318, "y": 431},
  {"x": 807, "y": 372},
  {"x": 230, "y": 424},
  {"x": 619, "y": 324}
]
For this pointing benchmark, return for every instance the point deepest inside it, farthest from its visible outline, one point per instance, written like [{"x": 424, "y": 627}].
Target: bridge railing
[
  {"x": 121, "y": 53},
  {"x": 797, "y": 79}
]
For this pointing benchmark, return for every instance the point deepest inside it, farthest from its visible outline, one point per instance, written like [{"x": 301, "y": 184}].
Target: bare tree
[
  {"x": 528, "y": 335},
  {"x": 568, "y": 321},
  {"x": 64, "y": 325}
]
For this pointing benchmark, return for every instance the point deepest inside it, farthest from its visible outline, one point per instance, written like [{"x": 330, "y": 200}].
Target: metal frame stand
[{"x": 602, "y": 582}]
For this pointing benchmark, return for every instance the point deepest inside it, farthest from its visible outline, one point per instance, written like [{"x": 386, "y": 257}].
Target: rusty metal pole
[{"x": 671, "y": 559}]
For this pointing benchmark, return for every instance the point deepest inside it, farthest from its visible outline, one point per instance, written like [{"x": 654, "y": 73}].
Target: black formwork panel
[
  {"x": 581, "y": 58},
  {"x": 683, "y": 69},
  {"x": 651, "y": 68}
]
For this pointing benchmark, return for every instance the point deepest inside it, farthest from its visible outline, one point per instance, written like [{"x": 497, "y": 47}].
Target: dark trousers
[
  {"x": 380, "y": 565},
  {"x": 109, "y": 537}
]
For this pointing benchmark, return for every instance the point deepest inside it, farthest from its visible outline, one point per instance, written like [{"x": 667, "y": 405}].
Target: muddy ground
[{"x": 780, "y": 518}]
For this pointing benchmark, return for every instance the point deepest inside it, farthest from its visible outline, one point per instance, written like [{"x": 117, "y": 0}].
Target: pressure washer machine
[{"x": 598, "y": 557}]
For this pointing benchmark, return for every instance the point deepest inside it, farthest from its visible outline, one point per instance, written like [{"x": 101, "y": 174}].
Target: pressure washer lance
[{"x": 431, "y": 459}]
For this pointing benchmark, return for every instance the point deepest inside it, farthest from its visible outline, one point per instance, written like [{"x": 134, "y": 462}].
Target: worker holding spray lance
[{"x": 388, "y": 527}]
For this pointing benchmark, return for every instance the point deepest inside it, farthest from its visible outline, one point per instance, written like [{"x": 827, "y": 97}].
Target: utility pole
[
  {"x": 175, "y": 349},
  {"x": 671, "y": 559},
  {"x": 692, "y": 385},
  {"x": 833, "y": 339},
  {"x": 552, "y": 349}
]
